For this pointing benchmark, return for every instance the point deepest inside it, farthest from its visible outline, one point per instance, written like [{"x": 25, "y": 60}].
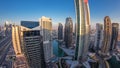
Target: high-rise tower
[
  {"x": 60, "y": 32},
  {"x": 107, "y": 35},
  {"x": 115, "y": 28},
  {"x": 83, "y": 29},
  {"x": 68, "y": 32},
  {"x": 46, "y": 31},
  {"x": 98, "y": 37}
]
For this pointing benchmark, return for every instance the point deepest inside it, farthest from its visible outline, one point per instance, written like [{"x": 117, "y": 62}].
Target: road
[{"x": 4, "y": 47}]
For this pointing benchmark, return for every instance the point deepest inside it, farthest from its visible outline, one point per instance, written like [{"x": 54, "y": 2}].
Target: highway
[{"x": 4, "y": 47}]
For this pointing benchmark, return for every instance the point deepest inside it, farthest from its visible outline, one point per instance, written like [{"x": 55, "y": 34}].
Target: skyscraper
[
  {"x": 98, "y": 37},
  {"x": 83, "y": 29},
  {"x": 16, "y": 40},
  {"x": 33, "y": 49},
  {"x": 46, "y": 31},
  {"x": 60, "y": 32},
  {"x": 68, "y": 32},
  {"x": 115, "y": 28},
  {"x": 107, "y": 35}
]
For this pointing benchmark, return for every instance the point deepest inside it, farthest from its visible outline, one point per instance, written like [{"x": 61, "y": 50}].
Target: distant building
[
  {"x": 60, "y": 32},
  {"x": 107, "y": 35},
  {"x": 7, "y": 28},
  {"x": 16, "y": 40},
  {"x": 82, "y": 30},
  {"x": 114, "y": 39},
  {"x": 46, "y": 32},
  {"x": 33, "y": 48},
  {"x": 30, "y": 24},
  {"x": 68, "y": 32},
  {"x": 98, "y": 37},
  {"x": 54, "y": 34}
]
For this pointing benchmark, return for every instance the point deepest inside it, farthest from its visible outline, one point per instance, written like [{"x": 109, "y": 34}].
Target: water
[
  {"x": 55, "y": 47},
  {"x": 114, "y": 63},
  {"x": 56, "y": 50}
]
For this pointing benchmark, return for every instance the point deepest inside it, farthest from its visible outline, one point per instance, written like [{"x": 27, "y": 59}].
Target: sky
[{"x": 15, "y": 11}]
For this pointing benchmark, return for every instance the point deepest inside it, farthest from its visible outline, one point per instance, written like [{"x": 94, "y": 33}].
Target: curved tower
[
  {"x": 107, "y": 35},
  {"x": 82, "y": 30},
  {"x": 16, "y": 40}
]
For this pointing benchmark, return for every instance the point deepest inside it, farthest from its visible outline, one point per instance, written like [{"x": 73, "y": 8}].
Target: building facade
[
  {"x": 60, "y": 32},
  {"x": 16, "y": 40},
  {"x": 115, "y": 30},
  {"x": 33, "y": 49},
  {"x": 107, "y": 35},
  {"x": 68, "y": 32},
  {"x": 46, "y": 32},
  {"x": 82, "y": 30}
]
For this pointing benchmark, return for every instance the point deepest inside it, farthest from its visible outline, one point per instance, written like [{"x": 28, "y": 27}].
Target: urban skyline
[{"x": 75, "y": 44}]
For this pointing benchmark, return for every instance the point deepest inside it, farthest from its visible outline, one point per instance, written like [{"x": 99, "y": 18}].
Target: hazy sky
[{"x": 58, "y": 10}]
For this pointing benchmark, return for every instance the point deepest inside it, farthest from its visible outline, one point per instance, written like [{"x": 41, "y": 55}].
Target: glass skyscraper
[
  {"x": 68, "y": 32},
  {"x": 82, "y": 30}
]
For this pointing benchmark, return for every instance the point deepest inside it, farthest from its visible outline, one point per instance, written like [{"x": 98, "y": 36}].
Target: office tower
[
  {"x": 115, "y": 28},
  {"x": 107, "y": 35},
  {"x": 7, "y": 28},
  {"x": 60, "y": 32},
  {"x": 68, "y": 32},
  {"x": 16, "y": 40},
  {"x": 33, "y": 48},
  {"x": 83, "y": 29},
  {"x": 29, "y": 24},
  {"x": 98, "y": 37},
  {"x": 46, "y": 31}
]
